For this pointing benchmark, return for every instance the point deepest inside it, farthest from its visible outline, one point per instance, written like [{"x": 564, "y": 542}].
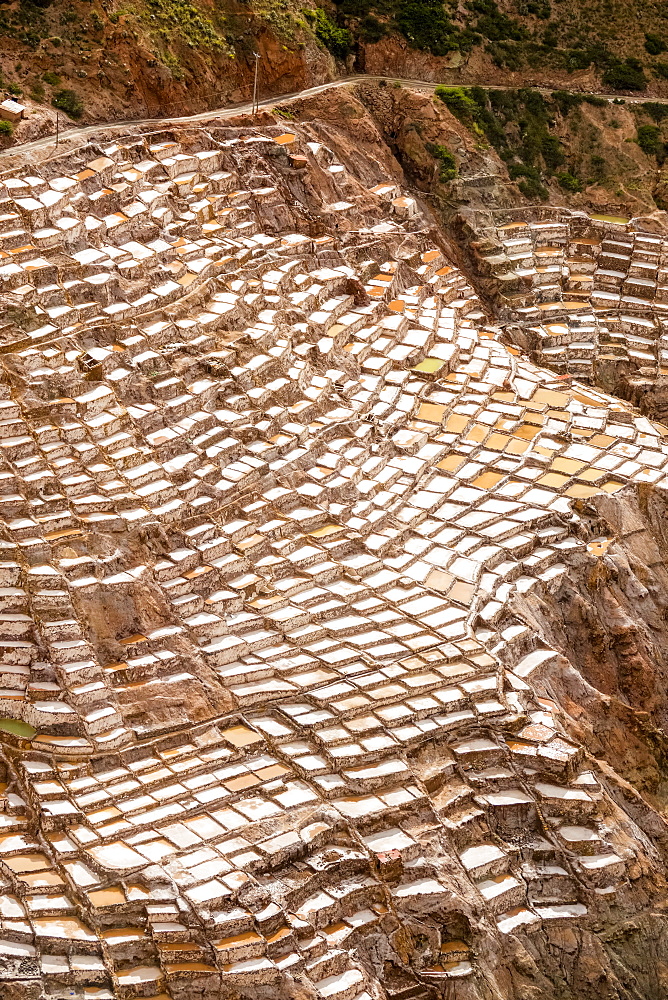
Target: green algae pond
[
  {"x": 17, "y": 728},
  {"x": 610, "y": 218}
]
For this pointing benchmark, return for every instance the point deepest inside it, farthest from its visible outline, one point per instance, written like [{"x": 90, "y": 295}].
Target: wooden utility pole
[
  {"x": 57, "y": 128},
  {"x": 257, "y": 60}
]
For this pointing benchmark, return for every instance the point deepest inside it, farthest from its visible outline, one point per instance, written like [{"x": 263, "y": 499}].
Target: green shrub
[
  {"x": 516, "y": 170},
  {"x": 339, "y": 41},
  {"x": 494, "y": 25},
  {"x": 69, "y": 102},
  {"x": 598, "y": 165},
  {"x": 661, "y": 69},
  {"x": 458, "y": 101},
  {"x": 551, "y": 150},
  {"x": 654, "y": 109},
  {"x": 582, "y": 55},
  {"x": 627, "y": 75},
  {"x": 51, "y": 78},
  {"x": 426, "y": 25},
  {"x": 654, "y": 44},
  {"x": 566, "y": 101},
  {"x": 14, "y": 89},
  {"x": 533, "y": 189},
  {"x": 569, "y": 182},
  {"x": 448, "y": 164},
  {"x": 471, "y": 106},
  {"x": 575, "y": 59},
  {"x": 648, "y": 138},
  {"x": 506, "y": 55},
  {"x": 551, "y": 35},
  {"x": 499, "y": 28},
  {"x": 37, "y": 91},
  {"x": 537, "y": 8},
  {"x": 371, "y": 29},
  {"x": 356, "y": 8},
  {"x": 6, "y": 128}
]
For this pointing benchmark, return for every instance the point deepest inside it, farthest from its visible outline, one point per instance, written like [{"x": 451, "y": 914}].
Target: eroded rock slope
[{"x": 332, "y": 628}]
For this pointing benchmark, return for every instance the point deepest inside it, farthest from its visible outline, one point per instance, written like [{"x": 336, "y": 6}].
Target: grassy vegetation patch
[
  {"x": 648, "y": 138},
  {"x": 494, "y": 25},
  {"x": 651, "y": 135},
  {"x": 25, "y": 23},
  {"x": 428, "y": 25},
  {"x": 69, "y": 102},
  {"x": 182, "y": 20},
  {"x": 627, "y": 74},
  {"x": 519, "y": 125},
  {"x": 532, "y": 34},
  {"x": 338, "y": 40},
  {"x": 654, "y": 43},
  {"x": 569, "y": 182},
  {"x": 655, "y": 109},
  {"x": 447, "y": 162}
]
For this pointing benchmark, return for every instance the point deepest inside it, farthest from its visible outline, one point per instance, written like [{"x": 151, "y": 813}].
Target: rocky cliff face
[{"x": 154, "y": 59}]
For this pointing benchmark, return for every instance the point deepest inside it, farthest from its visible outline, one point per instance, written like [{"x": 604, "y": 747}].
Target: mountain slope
[{"x": 112, "y": 59}]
